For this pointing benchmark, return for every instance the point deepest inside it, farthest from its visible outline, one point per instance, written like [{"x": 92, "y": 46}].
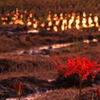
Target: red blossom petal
[
  {"x": 83, "y": 67},
  {"x": 18, "y": 86}
]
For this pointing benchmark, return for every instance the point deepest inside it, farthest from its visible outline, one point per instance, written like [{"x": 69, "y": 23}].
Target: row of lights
[{"x": 63, "y": 21}]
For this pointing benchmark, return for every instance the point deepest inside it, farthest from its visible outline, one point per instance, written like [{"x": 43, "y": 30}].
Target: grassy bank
[{"x": 41, "y": 7}]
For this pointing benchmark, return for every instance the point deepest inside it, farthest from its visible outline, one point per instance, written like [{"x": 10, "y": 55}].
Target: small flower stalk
[
  {"x": 18, "y": 86},
  {"x": 98, "y": 93},
  {"x": 81, "y": 66}
]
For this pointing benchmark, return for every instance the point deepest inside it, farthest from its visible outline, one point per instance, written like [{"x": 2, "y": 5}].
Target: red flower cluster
[
  {"x": 81, "y": 66},
  {"x": 18, "y": 86}
]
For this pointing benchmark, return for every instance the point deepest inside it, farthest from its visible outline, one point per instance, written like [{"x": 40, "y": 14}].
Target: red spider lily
[
  {"x": 18, "y": 86},
  {"x": 81, "y": 66},
  {"x": 98, "y": 92}
]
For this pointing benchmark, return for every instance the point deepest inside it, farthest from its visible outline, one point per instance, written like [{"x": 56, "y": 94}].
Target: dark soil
[{"x": 34, "y": 71}]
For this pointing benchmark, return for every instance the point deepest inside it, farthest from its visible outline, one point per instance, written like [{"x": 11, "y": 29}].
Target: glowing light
[
  {"x": 43, "y": 24},
  {"x": 69, "y": 15},
  {"x": 19, "y": 21},
  {"x": 90, "y": 22},
  {"x": 61, "y": 16},
  {"x": 21, "y": 16},
  {"x": 64, "y": 22},
  {"x": 4, "y": 23},
  {"x": 70, "y": 23},
  {"x": 49, "y": 16},
  {"x": 95, "y": 40},
  {"x": 96, "y": 21},
  {"x": 55, "y": 28},
  {"x": 77, "y": 26},
  {"x": 50, "y": 23},
  {"x": 35, "y": 25},
  {"x": 57, "y": 22},
  {"x": 48, "y": 28},
  {"x": 77, "y": 21},
  {"x": 84, "y": 20},
  {"x": 86, "y": 41},
  {"x": 62, "y": 27},
  {"x": 30, "y": 15},
  {"x": 55, "y": 17},
  {"x": 33, "y": 31},
  {"x": 29, "y": 23},
  {"x": 84, "y": 14}
]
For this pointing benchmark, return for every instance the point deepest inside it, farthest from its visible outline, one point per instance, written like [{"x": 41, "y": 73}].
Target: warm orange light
[
  {"x": 55, "y": 28},
  {"x": 55, "y": 17},
  {"x": 62, "y": 27},
  {"x": 64, "y": 22},
  {"x": 21, "y": 16},
  {"x": 77, "y": 26},
  {"x": 96, "y": 20},
  {"x": 49, "y": 17},
  {"x": 4, "y": 23},
  {"x": 73, "y": 14},
  {"x": 25, "y": 11},
  {"x": 61, "y": 16},
  {"x": 70, "y": 23},
  {"x": 35, "y": 25},
  {"x": 30, "y": 15},
  {"x": 29, "y": 23},
  {"x": 34, "y": 20},
  {"x": 86, "y": 41},
  {"x": 50, "y": 23},
  {"x": 84, "y": 20},
  {"x": 48, "y": 28},
  {"x": 69, "y": 15},
  {"x": 33, "y": 31},
  {"x": 77, "y": 20},
  {"x": 43, "y": 24},
  {"x": 19, "y": 21},
  {"x": 2, "y": 18},
  {"x": 11, "y": 22},
  {"x": 90, "y": 22},
  {"x": 95, "y": 40},
  {"x": 84, "y": 14},
  {"x": 57, "y": 22}
]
